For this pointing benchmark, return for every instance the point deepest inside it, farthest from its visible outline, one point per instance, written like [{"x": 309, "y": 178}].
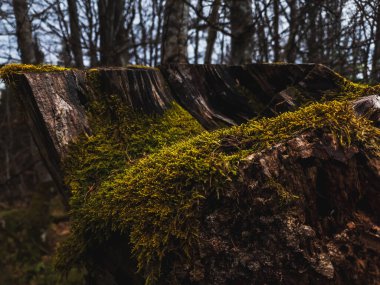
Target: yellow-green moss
[
  {"x": 157, "y": 197},
  {"x": 349, "y": 90},
  {"x": 7, "y": 70},
  {"x": 284, "y": 196}
]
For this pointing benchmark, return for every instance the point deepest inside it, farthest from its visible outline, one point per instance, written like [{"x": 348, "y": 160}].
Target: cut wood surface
[{"x": 51, "y": 101}]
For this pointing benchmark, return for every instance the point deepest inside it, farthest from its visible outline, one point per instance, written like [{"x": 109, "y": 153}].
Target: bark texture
[
  {"x": 325, "y": 231},
  {"x": 142, "y": 89},
  {"x": 55, "y": 111},
  {"x": 212, "y": 32},
  {"x": 369, "y": 107}
]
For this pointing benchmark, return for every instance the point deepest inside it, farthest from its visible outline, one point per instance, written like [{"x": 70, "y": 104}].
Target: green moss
[
  {"x": 156, "y": 198},
  {"x": 15, "y": 68},
  {"x": 285, "y": 198},
  {"x": 349, "y": 90}
]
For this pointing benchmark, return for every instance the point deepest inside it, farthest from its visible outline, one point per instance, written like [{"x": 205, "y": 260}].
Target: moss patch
[
  {"x": 350, "y": 90},
  {"x": 15, "y": 68},
  {"x": 157, "y": 198}
]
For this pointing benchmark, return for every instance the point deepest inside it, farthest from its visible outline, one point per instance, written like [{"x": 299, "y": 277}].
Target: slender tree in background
[
  {"x": 112, "y": 32},
  {"x": 212, "y": 32},
  {"x": 311, "y": 28},
  {"x": 24, "y": 32},
  {"x": 375, "y": 74},
  {"x": 241, "y": 29},
  {"x": 175, "y": 31},
  {"x": 75, "y": 33},
  {"x": 291, "y": 46},
  {"x": 343, "y": 34},
  {"x": 276, "y": 27}
]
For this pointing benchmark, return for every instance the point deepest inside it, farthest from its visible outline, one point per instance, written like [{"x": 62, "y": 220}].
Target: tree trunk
[
  {"x": 276, "y": 26},
  {"x": 75, "y": 33},
  {"x": 311, "y": 36},
  {"x": 241, "y": 21},
  {"x": 212, "y": 32},
  {"x": 112, "y": 32},
  {"x": 24, "y": 32},
  {"x": 174, "y": 37},
  {"x": 291, "y": 49},
  {"x": 375, "y": 73}
]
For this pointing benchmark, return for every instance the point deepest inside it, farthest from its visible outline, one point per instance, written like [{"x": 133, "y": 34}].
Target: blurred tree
[{"x": 175, "y": 32}]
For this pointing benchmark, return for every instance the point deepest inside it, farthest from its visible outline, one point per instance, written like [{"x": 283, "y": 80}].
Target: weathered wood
[
  {"x": 56, "y": 102},
  {"x": 219, "y": 95},
  {"x": 142, "y": 89},
  {"x": 369, "y": 107},
  {"x": 51, "y": 101},
  {"x": 329, "y": 235}
]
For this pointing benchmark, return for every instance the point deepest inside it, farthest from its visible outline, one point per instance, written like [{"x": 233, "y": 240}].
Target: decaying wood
[
  {"x": 51, "y": 101},
  {"x": 219, "y": 95},
  {"x": 369, "y": 107},
  {"x": 327, "y": 234}
]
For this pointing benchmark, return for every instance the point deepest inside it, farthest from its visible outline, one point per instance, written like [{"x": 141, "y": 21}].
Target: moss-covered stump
[
  {"x": 156, "y": 199},
  {"x": 279, "y": 200}
]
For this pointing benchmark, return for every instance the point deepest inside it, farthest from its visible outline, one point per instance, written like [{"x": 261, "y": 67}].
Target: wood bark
[
  {"x": 276, "y": 33},
  {"x": 175, "y": 28},
  {"x": 311, "y": 35},
  {"x": 291, "y": 48},
  {"x": 328, "y": 235},
  {"x": 56, "y": 114},
  {"x": 369, "y": 107}
]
